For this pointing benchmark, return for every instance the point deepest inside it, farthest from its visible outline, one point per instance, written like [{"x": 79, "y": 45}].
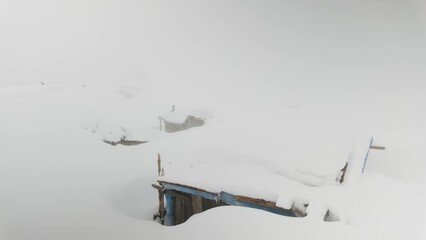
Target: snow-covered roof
[{"x": 287, "y": 169}]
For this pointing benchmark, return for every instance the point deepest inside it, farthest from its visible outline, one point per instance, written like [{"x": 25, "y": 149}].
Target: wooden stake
[{"x": 159, "y": 165}]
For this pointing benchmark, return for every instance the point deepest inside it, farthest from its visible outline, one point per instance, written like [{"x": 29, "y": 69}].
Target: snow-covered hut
[
  {"x": 184, "y": 201},
  {"x": 292, "y": 176},
  {"x": 181, "y": 120}
]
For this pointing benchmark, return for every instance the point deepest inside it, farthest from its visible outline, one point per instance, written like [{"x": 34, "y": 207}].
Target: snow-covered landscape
[{"x": 291, "y": 95}]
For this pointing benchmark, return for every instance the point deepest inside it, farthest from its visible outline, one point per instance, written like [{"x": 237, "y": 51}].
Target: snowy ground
[
  {"x": 294, "y": 89},
  {"x": 59, "y": 180}
]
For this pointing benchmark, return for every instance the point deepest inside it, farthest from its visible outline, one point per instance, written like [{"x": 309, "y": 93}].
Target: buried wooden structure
[
  {"x": 178, "y": 202},
  {"x": 175, "y": 121},
  {"x": 181, "y": 202},
  {"x": 189, "y": 122}
]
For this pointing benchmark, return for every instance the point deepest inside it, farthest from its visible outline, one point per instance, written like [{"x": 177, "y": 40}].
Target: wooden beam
[
  {"x": 261, "y": 204},
  {"x": 256, "y": 201},
  {"x": 377, "y": 147}
]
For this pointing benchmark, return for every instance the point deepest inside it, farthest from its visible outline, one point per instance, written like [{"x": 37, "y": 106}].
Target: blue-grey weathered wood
[
  {"x": 189, "y": 190},
  {"x": 169, "y": 219},
  {"x": 233, "y": 200},
  {"x": 223, "y": 197}
]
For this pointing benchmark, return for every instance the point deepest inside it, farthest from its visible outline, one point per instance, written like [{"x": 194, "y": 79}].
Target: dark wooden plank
[
  {"x": 197, "y": 204},
  {"x": 377, "y": 147}
]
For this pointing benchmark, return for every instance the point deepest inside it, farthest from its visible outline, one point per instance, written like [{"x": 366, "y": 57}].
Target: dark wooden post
[
  {"x": 159, "y": 165},
  {"x": 197, "y": 204},
  {"x": 161, "y": 210}
]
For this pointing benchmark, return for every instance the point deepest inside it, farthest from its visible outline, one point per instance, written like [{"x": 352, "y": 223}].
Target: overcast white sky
[{"x": 301, "y": 46}]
